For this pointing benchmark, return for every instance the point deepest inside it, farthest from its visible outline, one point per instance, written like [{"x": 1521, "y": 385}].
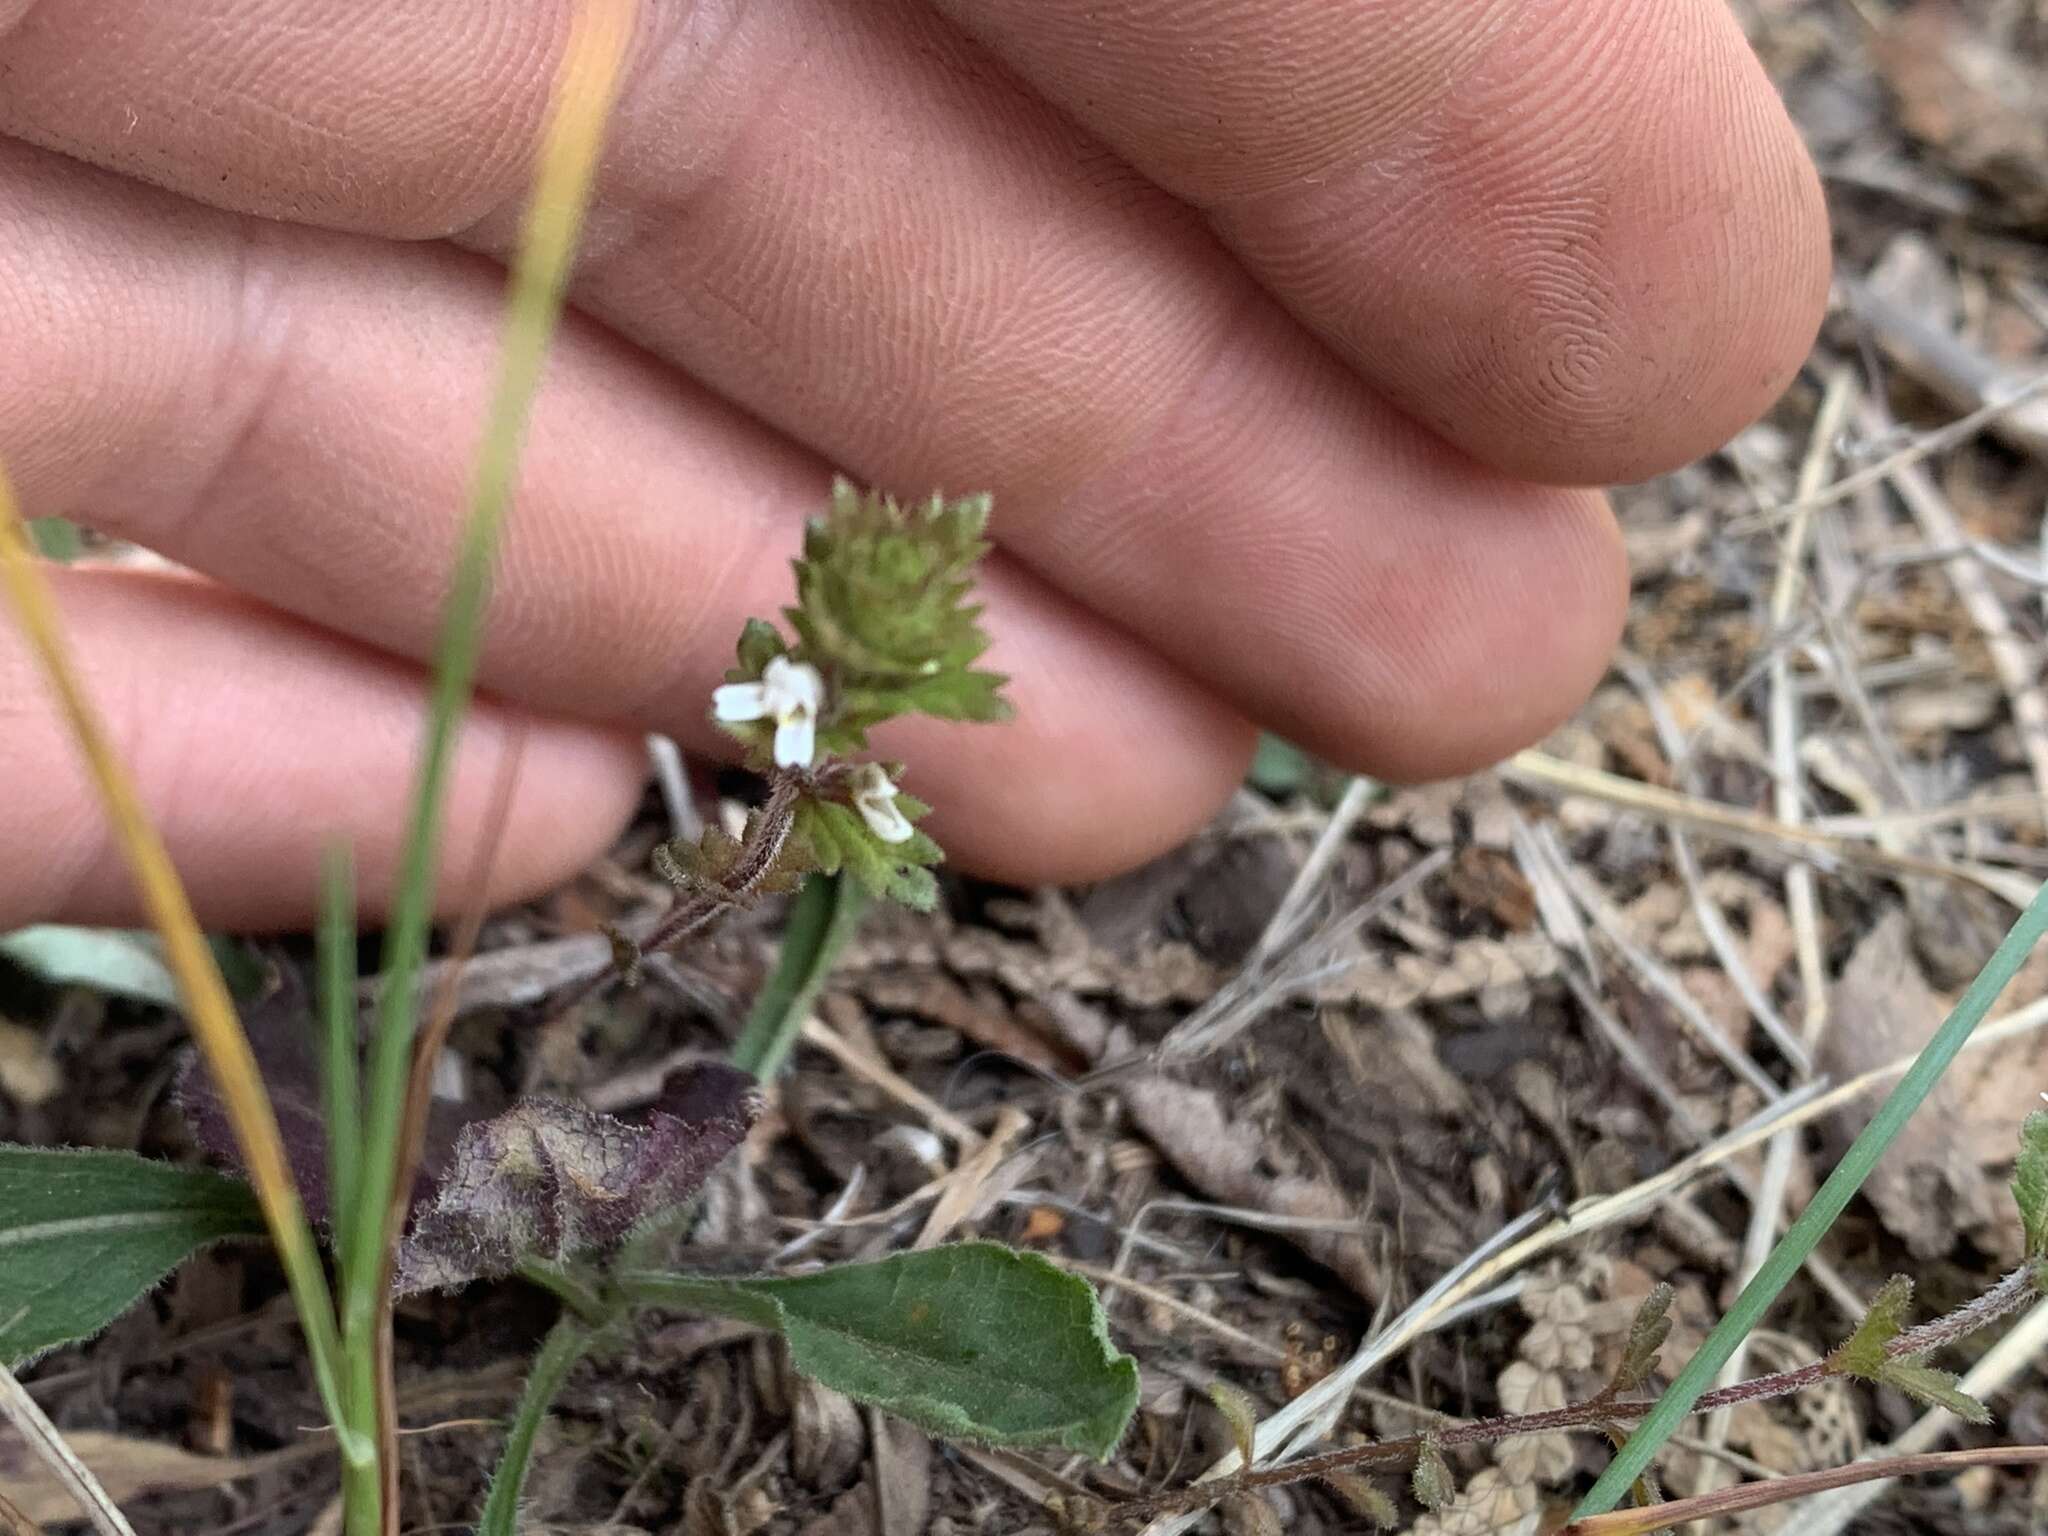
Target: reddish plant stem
[
  {"x": 2012, "y": 1293},
  {"x": 767, "y": 835}
]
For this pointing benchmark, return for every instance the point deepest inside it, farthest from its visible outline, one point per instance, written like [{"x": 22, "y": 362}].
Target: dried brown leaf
[{"x": 1225, "y": 1157}]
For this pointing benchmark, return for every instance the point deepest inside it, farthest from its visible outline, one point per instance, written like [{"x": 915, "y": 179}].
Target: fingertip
[
  {"x": 1098, "y": 810},
  {"x": 1506, "y": 638},
  {"x": 256, "y": 744},
  {"x": 1663, "y": 284}
]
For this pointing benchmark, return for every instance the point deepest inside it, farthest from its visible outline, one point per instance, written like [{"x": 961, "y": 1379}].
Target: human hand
[{"x": 1275, "y": 326}]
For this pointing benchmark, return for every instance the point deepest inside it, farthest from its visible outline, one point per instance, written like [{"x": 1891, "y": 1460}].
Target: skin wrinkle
[
  {"x": 251, "y": 367},
  {"x": 1350, "y": 602},
  {"x": 388, "y": 466}
]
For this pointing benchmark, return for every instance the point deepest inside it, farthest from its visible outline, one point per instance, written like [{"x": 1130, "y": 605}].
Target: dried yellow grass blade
[{"x": 205, "y": 994}]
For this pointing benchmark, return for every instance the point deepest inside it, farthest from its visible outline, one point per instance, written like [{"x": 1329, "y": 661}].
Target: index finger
[{"x": 1579, "y": 238}]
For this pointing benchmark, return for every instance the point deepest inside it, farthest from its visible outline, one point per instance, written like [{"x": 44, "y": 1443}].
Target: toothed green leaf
[
  {"x": 1865, "y": 1353},
  {"x": 1646, "y": 1336},
  {"x": 2030, "y": 1184},
  {"x": 760, "y": 643},
  {"x": 883, "y": 610},
  {"x": 1937, "y": 1389},
  {"x": 839, "y": 839}
]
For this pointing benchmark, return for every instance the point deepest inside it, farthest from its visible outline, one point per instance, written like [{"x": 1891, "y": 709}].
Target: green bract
[{"x": 883, "y": 612}]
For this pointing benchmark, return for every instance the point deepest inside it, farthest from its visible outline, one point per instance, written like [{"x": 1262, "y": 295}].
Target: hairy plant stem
[
  {"x": 574, "y": 1290},
  {"x": 2015, "y": 1291},
  {"x": 567, "y": 1342},
  {"x": 767, "y": 834}
]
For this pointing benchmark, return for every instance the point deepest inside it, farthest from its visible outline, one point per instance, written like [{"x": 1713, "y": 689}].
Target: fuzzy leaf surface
[
  {"x": 972, "y": 1341},
  {"x": 560, "y": 1182},
  {"x": 1935, "y": 1388},
  {"x": 1646, "y": 1336},
  {"x": 837, "y": 839},
  {"x": 83, "y": 1235},
  {"x": 1867, "y": 1351},
  {"x": 2030, "y": 1184}
]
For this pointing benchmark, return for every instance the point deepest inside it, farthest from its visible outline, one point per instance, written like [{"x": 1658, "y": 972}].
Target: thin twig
[
  {"x": 1265, "y": 978},
  {"x": 1529, "y": 1237},
  {"x": 1802, "y": 899},
  {"x": 1598, "y": 1412},
  {"x": 1713, "y": 925},
  {"x": 1779, "y": 1490},
  {"x": 1960, "y": 430},
  {"x": 673, "y": 779},
  {"x": 767, "y": 833},
  {"x": 2018, "y": 1351},
  {"x": 2011, "y": 658}
]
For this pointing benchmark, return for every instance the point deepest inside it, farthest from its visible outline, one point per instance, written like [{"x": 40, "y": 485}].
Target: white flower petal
[
  {"x": 736, "y": 702},
  {"x": 885, "y": 821},
  {"x": 796, "y": 740},
  {"x": 875, "y": 798},
  {"x": 793, "y": 687}
]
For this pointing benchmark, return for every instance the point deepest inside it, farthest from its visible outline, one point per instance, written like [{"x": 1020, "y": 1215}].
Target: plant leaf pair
[{"x": 1867, "y": 1354}]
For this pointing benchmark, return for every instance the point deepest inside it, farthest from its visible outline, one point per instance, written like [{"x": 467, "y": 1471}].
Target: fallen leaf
[
  {"x": 1929, "y": 1186},
  {"x": 111, "y": 960},
  {"x": 557, "y": 1181},
  {"x": 1222, "y": 1157}
]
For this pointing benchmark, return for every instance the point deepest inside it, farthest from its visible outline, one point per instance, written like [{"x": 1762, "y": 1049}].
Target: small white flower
[
  {"x": 875, "y": 798},
  {"x": 790, "y": 693}
]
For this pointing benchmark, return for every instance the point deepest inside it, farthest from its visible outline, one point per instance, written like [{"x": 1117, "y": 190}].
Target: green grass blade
[
  {"x": 823, "y": 917},
  {"x": 1827, "y": 1204},
  {"x": 340, "y": 1057},
  {"x": 568, "y": 162},
  {"x": 559, "y": 1351}
]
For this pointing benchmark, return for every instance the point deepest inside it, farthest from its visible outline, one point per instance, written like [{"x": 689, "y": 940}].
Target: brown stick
[
  {"x": 2010, "y": 1294},
  {"x": 1777, "y": 1490},
  {"x": 765, "y": 840}
]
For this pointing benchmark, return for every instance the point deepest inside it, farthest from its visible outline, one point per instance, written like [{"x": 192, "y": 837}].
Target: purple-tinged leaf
[
  {"x": 544, "y": 1179},
  {"x": 280, "y": 1030},
  {"x": 554, "y": 1181}
]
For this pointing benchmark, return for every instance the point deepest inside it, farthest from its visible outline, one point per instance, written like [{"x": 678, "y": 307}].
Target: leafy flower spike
[{"x": 884, "y": 625}]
